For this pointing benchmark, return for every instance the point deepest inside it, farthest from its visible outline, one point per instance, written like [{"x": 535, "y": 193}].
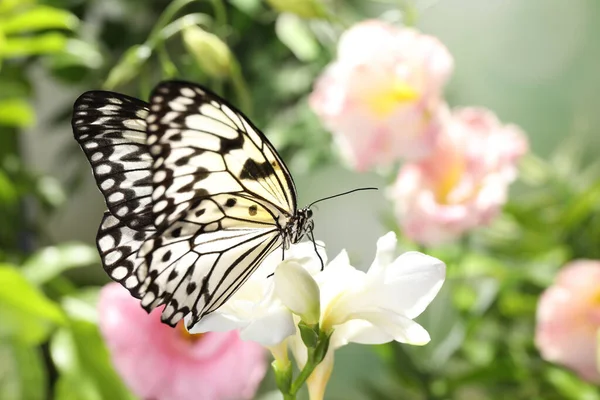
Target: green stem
[
  {"x": 409, "y": 12},
  {"x": 220, "y": 12},
  {"x": 315, "y": 353},
  {"x": 168, "y": 67},
  {"x": 241, "y": 89},
  {"x": 177, "y": 26},
  {"x": 167, "y": 15},
  {"x": 304, "y": 374}
]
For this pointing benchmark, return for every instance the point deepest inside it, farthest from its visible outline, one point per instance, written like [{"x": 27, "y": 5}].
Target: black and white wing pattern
[
  {"x": 111, "y": 130},
  {"x": 118, "y": 246},
  {"x": 221, "y": 198},
  {"x": 197, "y": 195}
]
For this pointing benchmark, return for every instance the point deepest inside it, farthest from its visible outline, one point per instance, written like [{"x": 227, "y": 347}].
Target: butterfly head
[{"x": 298, "y": 226}]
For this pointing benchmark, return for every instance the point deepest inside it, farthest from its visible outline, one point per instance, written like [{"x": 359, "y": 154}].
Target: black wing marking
[
  {"x": 111, "y": 130},
  {"x": 118, "y": 246}
]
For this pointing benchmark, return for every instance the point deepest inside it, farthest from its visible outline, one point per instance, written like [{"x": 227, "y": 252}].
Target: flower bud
[
  {"x": 209, "y": 51},
  {"x": 302, "y": 8},
  {"x": 283, "y": 375},
  {"x": 298, "y": 291}
]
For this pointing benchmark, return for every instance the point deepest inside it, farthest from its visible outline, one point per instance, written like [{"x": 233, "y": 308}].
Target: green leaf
[
  {"x": 22, "y": 372},
  {"x": 45, "y": 43},
  {"x": 581, "y": 207},
  {"x": 7, "y": 6},
  {"x": 129, "y": 66},
  {"x": 283, "y": 376},
  {"x": 49, "y": 191},
  {"x": 322, "y": 347},
  {"x": 38, "y": 18},
  {"x": 73, "y": 387},
  {"x": 8, "y": 191},
  {"x": 250, "y": 7},
  {"x": 81, "y": 306},
  {"x": 24, "y": 311},
  {"x": 51, "y": 261},
  {"x": 77, "y": 53},
  {"x": 295, "y": 34},
  {"x": 571, "y": 387},
  {"x": 84, "y": 365},
  {"x": 405, "y": 369},
  {"x": 302, "y": 8},
  {"x": 309, "y": 334},
  {"x": 16, "y": 112}
]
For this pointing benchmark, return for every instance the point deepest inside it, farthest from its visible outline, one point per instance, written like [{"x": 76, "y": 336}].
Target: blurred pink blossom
[
  {"x": 381, "y": 97},
  {"x": 568, "y": 319},
  {"x": 162, "y": 363},
  {"x": 464, "y": 182}
]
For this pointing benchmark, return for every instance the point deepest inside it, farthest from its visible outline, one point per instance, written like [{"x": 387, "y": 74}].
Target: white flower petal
[
  {"x": 298, "y": 291},
  {"x": 359, "y": 331},
  {"x": 270, "y": 329},
  {"x": 216, "y": 322},
  {"x": 401, "y": 328},
  {"x": 409, "y": 284},
  {"x": 386, "y": 247},
  {"x": 340, "y": 285}
]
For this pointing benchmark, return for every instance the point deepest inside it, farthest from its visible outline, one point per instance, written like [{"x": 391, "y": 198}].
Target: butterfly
[{"x": 197, "y": 196}]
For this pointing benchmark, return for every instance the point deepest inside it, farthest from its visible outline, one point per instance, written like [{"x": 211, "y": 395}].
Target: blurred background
[{"x": 534, "y": 63}]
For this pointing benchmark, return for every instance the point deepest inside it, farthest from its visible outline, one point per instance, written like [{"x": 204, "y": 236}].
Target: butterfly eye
[{"x": 309, "y": 213}]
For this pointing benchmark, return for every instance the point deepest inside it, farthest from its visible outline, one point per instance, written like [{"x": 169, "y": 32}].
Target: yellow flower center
[
  {"x": 595, "y": 299},
  {"x": 448, "y": 180},
  {"x": 383, "y": 102},
  {"x": 188, "y": 337}
]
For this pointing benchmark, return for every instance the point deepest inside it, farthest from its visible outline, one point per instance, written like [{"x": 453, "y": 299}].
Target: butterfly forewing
[
  {"x": 202, "y": 146},
  {"x": 111, "y": 130}
]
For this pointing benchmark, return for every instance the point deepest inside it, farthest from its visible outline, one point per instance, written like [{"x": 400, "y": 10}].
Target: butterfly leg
[
  {"x": 311, "y": 236},
  {"x": 282, "y": 258}
]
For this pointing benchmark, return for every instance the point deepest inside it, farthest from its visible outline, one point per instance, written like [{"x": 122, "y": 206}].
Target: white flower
[
  {"x": 371, "y": 308},
  {"x": 374, "y": 307},
  {"x": 256, "y": 310},
  {"x": 379, "y": 306}
]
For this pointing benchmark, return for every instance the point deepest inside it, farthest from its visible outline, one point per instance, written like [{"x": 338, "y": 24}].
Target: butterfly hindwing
[
  {"x": 201, "y": 259},
  {"x": 118, "y": 246},
  {"x": 111, "y": 130},
  {"x": 196, "y": 274}
]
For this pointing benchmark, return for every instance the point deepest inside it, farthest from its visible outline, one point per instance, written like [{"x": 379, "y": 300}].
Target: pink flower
[
  {"x": 381, "y": 97},
  {"x": 568, "y": 319},
  {"x": 464, "y": 182},
  {"x": 163, "y": 363}
]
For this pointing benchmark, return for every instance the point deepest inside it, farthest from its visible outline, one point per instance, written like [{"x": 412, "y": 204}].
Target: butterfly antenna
[{"x": 341, "y": 194}]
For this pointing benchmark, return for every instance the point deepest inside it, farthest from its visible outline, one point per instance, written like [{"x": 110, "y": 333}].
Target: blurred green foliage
[{"x": 266, "y": 61}]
